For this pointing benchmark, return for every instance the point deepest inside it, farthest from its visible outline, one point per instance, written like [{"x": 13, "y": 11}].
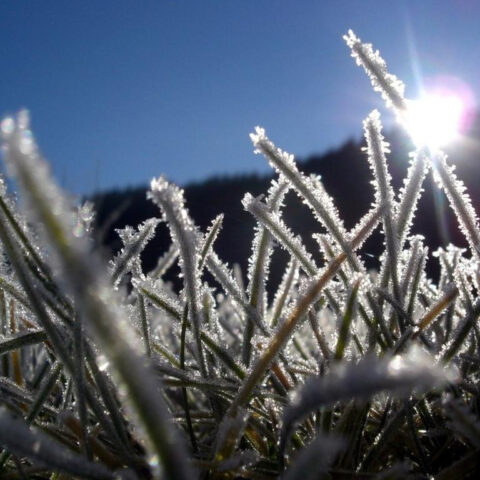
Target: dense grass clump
[{"x": 339, "y": 372}]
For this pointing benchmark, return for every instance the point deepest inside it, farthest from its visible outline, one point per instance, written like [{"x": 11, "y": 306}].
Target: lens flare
[
  {"x": 442, "y": 113},
  {"x": 434, "y": 120}
]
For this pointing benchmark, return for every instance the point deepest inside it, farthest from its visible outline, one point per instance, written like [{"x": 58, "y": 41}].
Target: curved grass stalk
[
  {"x": 384, "y": 194},
  {"x": 285, "y": 331},
  {"x": 459, "y": 201},
  {"x": 281, "y": 232},
  {"x": 410, "y": 195},
  {"x": 165, "y": 262},
  {"x": 183, "y": 232},
  {"x": 311, "y": 191},
  {"x": 258, "y": 267},
  {"x": 209, "y": 239},
  {"x": 390, "y": 87}
]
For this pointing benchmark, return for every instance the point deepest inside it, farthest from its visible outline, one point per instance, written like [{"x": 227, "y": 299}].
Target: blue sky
[{"x": 121, "y": 91}]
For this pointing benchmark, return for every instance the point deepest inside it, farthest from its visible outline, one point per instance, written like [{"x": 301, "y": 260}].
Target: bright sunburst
[{"x": 435, "y": 119}]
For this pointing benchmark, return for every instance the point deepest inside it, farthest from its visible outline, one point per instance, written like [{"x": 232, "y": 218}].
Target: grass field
[{"x": 339, "y": 372}]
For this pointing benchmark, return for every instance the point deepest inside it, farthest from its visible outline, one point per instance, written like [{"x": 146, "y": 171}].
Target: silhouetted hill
[{"x": 346, "y": 176}]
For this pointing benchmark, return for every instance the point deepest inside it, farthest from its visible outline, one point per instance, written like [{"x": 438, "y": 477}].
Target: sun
[{"x": 435, "y": 119}]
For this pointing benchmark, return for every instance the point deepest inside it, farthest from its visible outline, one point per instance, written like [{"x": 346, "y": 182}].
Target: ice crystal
[
  {"x": 280, "y": 231},
  {"x": 128, "y": 260},
  {"x": 390, "y": 87}
]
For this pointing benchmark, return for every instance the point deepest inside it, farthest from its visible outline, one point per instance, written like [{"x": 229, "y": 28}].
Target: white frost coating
[
  {"x": 284, "y": 291},
  {"x": 211, "y": 311},
  {"x": 390, "y": 87},
  {"x": 410, "y": 193},
  {"x": 401, "y": 374},
  {"x": 310, "y": 189},
  {"x": 158, "y": 295},
  {"x": 171, "y": 201},
  {"x": 22, "y": 155},
  {"x": 165, "y": 261},
  {"x": 459, "y": 200},
  {"x": 210, "y": 236},
  {"x": 449, "y": 259},
  {"x": 365, "y": 226},
  {"x": 280, "y": 231},
  {"x": 377, "y": 147},
  {"x": 384, "y": 195},
  {"x": 226, "y": 278},
  {"x": 315, "y": 184},
  {"x": 457, "y": 269},
  {"x": 409, "y": 260},
  {"x": 134, "y": 241},
  {"x": 262, "y": 247}
]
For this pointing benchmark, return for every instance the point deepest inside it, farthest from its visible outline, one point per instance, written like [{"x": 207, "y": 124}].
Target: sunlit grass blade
[
  {"x": 259, "y": 263},
  {"x": 133, "y": 244},
  {"x": 165, "y": 262},
  {"x": 410, "y": 194},
  {"x": 311, "y": 190},
  {"x": 183, "y": 231},
  {"x": 461, "y": 333},
  {"x": 210, "y": 237},
  {"x": 284, "y": 332},
  {"x": 281, "y": 232},
  {"x": 390, "y": 87},
  {"x": 377, "y": 148},
  {"x": 459, "y": 201}
]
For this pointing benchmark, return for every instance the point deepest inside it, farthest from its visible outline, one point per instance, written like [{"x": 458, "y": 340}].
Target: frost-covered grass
[{"x": 107, "y": 372}]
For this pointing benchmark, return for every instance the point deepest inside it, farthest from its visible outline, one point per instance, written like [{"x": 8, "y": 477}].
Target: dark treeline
[{"x": 346, "y": 176}]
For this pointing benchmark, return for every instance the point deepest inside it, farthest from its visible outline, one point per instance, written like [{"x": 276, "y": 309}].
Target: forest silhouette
[{"x": 346, "y": 177}]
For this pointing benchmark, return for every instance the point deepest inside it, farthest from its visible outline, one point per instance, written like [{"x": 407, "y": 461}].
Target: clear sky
[{"x": 121, "y": 91}]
